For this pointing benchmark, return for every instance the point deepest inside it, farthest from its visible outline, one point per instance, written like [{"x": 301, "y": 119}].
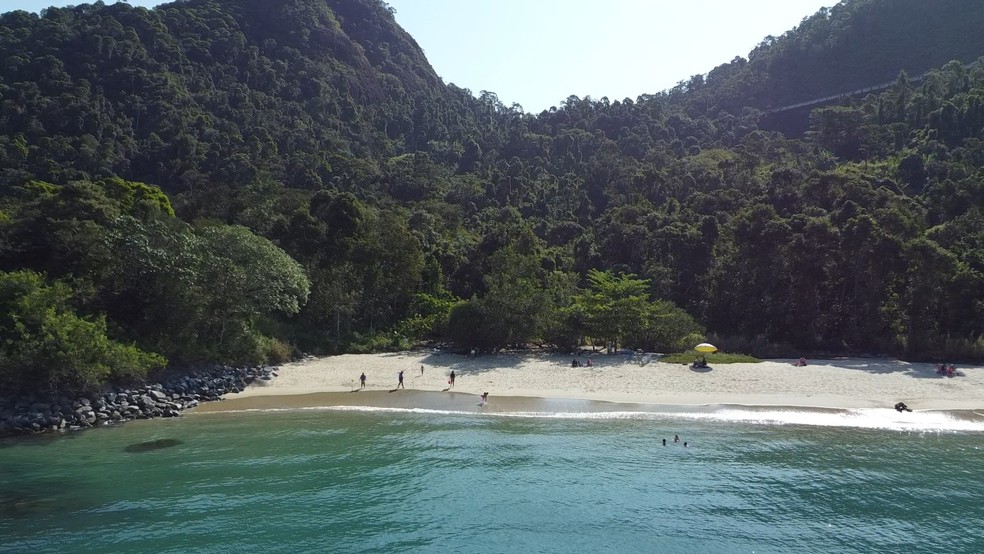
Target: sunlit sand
[{"x": 518, "y": 379}]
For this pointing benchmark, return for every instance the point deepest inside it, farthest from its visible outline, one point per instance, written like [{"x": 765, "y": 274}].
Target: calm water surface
[{"x": 381, "y": 481}]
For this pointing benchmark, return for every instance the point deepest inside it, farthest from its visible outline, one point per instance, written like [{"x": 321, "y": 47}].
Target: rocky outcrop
[{"x": 38, "y": 413}]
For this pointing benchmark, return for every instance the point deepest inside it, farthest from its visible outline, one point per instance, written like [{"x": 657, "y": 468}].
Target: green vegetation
[
  {"x": 44, "y": 343},
  {"x": 713, "y": 358},
  {"x": 242, "y": 181}
]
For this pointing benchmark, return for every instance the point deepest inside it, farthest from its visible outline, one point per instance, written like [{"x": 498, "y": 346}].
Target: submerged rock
[{"x": 152, "y": 445}]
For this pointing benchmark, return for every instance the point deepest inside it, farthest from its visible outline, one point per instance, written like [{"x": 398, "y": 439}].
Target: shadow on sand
[{"x": 883, "y": 366}]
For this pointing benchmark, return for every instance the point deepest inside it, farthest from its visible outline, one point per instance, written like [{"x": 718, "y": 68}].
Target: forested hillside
[
  {"x": 849, "y": 46},
  {"x": 239, "y": 180}
]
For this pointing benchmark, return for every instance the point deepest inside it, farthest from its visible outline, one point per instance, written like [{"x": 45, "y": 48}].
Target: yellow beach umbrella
[{"x": 705, "y": 347}]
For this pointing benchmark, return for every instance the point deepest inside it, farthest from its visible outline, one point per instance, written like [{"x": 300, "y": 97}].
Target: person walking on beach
[
  {"x": 451, "y": 380},
  {"x": 362, "y": 380},
  {"x": 421, "y": 371},
  {"x": 400, "y": 385}
]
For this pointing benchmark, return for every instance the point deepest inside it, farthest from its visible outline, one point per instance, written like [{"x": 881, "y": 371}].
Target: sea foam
[{"x": 865, "y": 418}]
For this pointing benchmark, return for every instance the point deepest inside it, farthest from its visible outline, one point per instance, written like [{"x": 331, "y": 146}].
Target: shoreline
[
  {"x": 437, "y": 403},
  {"x": 457, "y": 402},
  {"x": 534, "y": 379}
]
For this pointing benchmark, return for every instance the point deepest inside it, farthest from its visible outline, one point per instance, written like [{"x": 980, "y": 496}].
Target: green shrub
[
  {"x": 44, "y": 344},
  {"x": 713, "y": 358},
  {"x": 275, "y": 351}
]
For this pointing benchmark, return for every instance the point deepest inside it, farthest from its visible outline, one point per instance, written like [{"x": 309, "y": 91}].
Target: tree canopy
[{"x": 233, "y": 181}]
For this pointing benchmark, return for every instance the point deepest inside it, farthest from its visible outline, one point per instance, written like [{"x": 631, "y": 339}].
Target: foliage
[
  {"x": 617, "y": 309},
  {"x": 45, "y": 343},
  {"x": 615, "y": 306},
  {"x": 713, "y": 358},
  {"x": 235, "y": 180}
]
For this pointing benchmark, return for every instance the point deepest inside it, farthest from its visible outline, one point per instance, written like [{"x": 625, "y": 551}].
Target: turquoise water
[{"x": 390, "y": 481}]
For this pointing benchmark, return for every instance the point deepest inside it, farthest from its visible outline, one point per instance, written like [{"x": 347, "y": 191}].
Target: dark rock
[
  {"x": 146, "y": 401},
  {"x": 40, "y": 407},
  {"x": 28, "y": 413}
]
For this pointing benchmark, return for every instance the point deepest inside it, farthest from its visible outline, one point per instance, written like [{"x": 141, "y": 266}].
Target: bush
[
  {"x": 44, "y": 344},
  {"x": 378, "y": 342},
  {"x": 688, "y": 356},
  {"x": 274, "y": 351}
]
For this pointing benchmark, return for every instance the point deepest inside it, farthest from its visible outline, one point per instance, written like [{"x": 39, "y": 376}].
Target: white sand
[{"x": 840, "y": 383}]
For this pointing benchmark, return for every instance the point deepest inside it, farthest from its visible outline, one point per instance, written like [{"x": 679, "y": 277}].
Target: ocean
[{"x": 401, "y": 480}]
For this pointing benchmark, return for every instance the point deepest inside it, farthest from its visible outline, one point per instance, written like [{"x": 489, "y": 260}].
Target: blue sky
[{"x": 536, "y": 53}]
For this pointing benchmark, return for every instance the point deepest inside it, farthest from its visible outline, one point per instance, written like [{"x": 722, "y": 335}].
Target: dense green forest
[{"x": 240, "y": 181}]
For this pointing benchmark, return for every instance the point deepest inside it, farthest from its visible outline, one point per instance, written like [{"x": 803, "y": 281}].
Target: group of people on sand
[
  {"x": 800, "y": 362},
  {"x": 699, "y": 363},
  {"x": 676, "y": 438},
  {"x": 399, "y": 382},
  {"x": 399, "y": 385},
  {"x": 577, "y": 363},
  {"x": 947, "y": 370}
]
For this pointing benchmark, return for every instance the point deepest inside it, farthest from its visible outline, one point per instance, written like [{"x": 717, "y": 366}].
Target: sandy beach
[{"x": 517, "y": 380}]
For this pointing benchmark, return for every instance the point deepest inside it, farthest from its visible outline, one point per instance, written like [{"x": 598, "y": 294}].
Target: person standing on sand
[
  {"x": 400, "y": 384},
  {"x": 451, "y": 380},
  {"x": 421, "y": 371},
  {"x": 362, "y": 380}
]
